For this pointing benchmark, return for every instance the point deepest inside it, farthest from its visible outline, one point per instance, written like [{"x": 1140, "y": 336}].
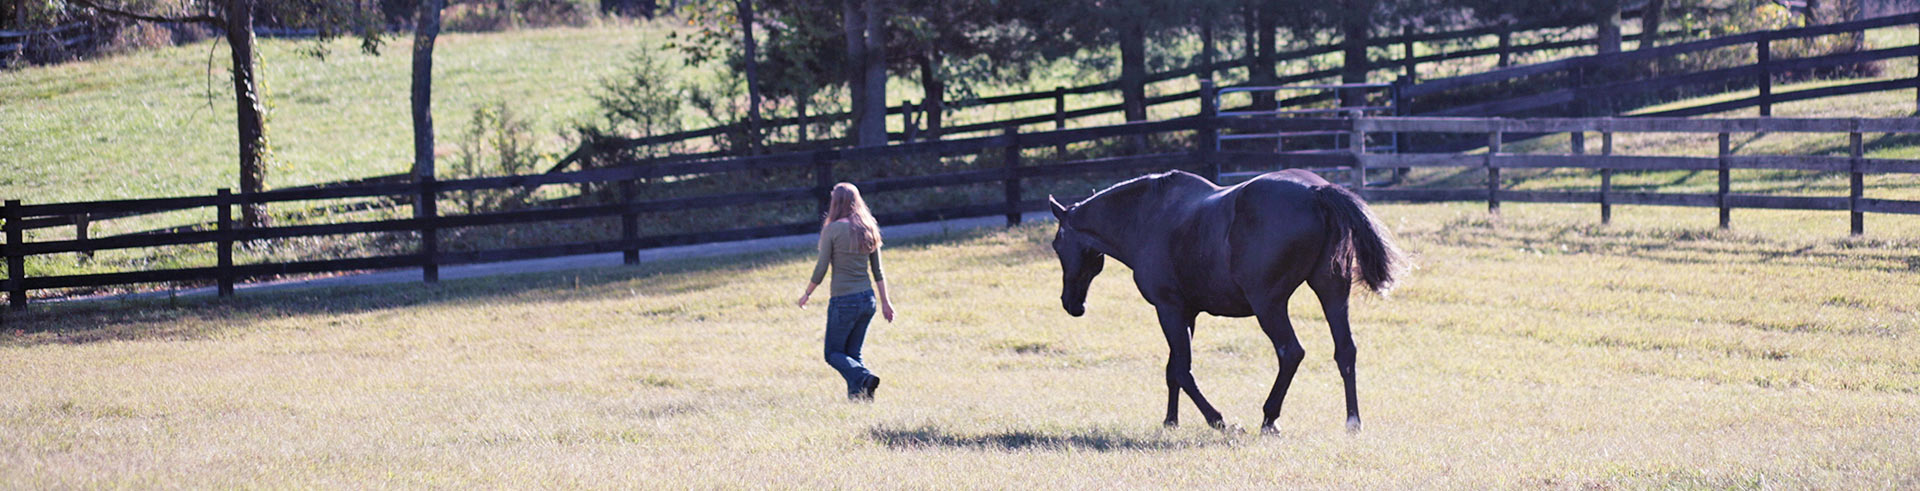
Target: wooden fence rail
[
  {"x": 1011, "y": 173},
  {"x": 1062, "y": 114}
]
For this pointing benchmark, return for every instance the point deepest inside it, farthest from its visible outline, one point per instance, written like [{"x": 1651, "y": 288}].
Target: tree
[
  {"x": 426, "y": 29},
  {"x": 1651, "y": 15},
  {"x": 752, "y": 59},
  {"x": 236, "y": 19},
  {"x": 1129, "y": 24},
  {"x": 1608, "y": 22},
  {"x": 865, "y": 27}
]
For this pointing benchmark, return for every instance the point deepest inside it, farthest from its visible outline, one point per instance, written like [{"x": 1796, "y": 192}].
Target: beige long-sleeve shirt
[{"x": 850, "y": 266}]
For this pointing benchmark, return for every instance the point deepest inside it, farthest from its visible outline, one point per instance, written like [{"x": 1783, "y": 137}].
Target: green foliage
[
  {"x": 645, "y": 99},
  {"x": 499, "y": 15},
  {"x": 497, "y": 142}
]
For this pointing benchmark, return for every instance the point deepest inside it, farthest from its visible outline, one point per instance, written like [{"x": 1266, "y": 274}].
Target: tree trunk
[
  {"x": 864, "y": 61},
  {"x": 1266, "y": 30},
  {"x": 855, "y": 21},
  {"x": 873, "y": 129},
  {"x": 1650, "y": 18},
  {"x": 934, "y": 92},
  {"x": 1609, "y": 23},
  {"x": 426, "y": 29},
  {"x": 250, "y": 117},
  {"x": 1133, "y": 70},
  {"x": 1206, "y": 47},
  {"x": 1354, "y": 33},
  {"x": 753, "y": 75}
]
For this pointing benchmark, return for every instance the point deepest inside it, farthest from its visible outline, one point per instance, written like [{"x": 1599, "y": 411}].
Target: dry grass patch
[{"x": 1529, "y": 350}]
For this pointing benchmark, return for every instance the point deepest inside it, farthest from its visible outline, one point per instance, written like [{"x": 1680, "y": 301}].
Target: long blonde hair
[{"x": 848, "y": 204}]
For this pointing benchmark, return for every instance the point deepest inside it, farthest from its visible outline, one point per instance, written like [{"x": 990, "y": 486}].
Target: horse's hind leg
[
  {"x": 1173, "y": 401},
  {"x": 1333, "y": 290},
  {"x": 1177, "y": 326},
  {"x": 1273, "y": 320}
]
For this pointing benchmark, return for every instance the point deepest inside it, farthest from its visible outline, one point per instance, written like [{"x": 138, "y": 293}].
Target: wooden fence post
[
  {"x": 1726, "y": 180},
  {"x": 1582, "y": 107},
  {"x": 1506, "y": 45},
  {"x": 82, "y": 222},
  {"x": 16, "y": 261},
  {"x": 225, "y": 228},
  {"x": 629, "y": 224},
  {"x": 1856, "y": 180},
  {"x": 1209, "y": 131},
  {"x": 426, "y": 210},
  {"x": 800, "y": 109},
  {"x": 1577, "y": 143},
  {"x": 933, "y": 112},
  {"x": 1493, "y": 172},
  {"x": 1013, "y": 175},
  {"x": 1606, "y": 174},
  {"x": 1060, "y": 120},
  {"x": 1764, "y": 56},
  {"x": 823, "y": 179},
  {"x": 908, "y": 126},
  {"x": 1357, "y": 145},
  {"x": 1401, "y": 142},
  {"x": 1406, "y": 54}
]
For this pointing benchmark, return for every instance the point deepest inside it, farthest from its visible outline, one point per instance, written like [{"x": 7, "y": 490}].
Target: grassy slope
[
  {"x": 139, "y": 125},
  {"x": 1533, "y": 350}
]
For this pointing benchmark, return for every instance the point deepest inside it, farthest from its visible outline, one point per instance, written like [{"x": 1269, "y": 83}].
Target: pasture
[{"x": 1533, "y": 349}]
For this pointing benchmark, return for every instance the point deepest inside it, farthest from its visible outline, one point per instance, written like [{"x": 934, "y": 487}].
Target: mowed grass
[{"x": 1534, "y": 349}]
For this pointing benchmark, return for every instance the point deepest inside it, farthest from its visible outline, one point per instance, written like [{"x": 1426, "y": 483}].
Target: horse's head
[{"x": 1079, "y": 261}]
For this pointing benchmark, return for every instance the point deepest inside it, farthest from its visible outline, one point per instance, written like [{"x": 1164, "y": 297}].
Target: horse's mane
[{"x": 1140, "y": 184}]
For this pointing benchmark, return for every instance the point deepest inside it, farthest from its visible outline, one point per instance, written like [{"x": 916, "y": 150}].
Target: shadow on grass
[
  {"x": 928, "y": 437},
  {"x": 203, "y": 317}
]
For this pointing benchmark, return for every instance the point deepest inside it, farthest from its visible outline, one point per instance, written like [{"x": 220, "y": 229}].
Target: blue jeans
[{"x": 847, "y": 319}]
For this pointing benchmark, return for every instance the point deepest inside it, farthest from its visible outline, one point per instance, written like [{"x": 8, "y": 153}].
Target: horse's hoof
[
  {"x": 1269, "y": 430},
  {"x": 1170, "y": 423},
  {"x": 1226, "y": 428},
  {"x": 1353, "y": 424}
]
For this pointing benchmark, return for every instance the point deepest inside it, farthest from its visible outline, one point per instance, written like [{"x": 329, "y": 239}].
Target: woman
[{"x": 850, "y": 242}]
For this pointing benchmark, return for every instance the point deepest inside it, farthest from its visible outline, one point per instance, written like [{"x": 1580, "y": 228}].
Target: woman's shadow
[{"x": 927, "y": 436}]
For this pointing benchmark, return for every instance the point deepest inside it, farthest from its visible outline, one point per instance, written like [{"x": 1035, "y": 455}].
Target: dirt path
[{"x": 564, "y": 263}]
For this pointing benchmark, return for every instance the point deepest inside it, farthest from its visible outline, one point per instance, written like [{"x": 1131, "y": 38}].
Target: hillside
[{"x": 142, "y": 125}]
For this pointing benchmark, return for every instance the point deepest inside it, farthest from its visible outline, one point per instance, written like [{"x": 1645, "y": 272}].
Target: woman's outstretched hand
[
  {"x": 886, "y": 309},
  {"x": 802, "y": 302}
]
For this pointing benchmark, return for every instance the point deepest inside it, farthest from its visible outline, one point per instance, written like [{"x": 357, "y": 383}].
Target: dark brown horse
[{"x": 1233, "y": 252}]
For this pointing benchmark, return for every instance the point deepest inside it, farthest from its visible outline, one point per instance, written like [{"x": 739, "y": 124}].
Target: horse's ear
[{"x": 1059, "y": 212}]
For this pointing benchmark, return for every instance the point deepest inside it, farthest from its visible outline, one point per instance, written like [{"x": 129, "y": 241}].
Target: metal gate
[{"x": 1377, "y": 100}]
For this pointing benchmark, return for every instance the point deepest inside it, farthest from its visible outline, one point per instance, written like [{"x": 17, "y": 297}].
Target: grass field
[{"x": 1529, "y": 350}]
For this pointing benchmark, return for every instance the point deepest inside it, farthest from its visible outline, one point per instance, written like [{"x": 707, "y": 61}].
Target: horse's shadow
[{"x": 929, "y": 437}]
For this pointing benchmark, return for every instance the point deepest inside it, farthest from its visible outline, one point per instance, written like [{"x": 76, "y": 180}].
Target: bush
[
  {"x": 498, "y": 142},
  {"x": 644, "y": 99},
  {"x": 500, "y": 15}
]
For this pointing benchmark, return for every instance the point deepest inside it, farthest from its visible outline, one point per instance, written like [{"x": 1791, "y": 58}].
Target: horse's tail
[{"x": 1361, "y": 249}]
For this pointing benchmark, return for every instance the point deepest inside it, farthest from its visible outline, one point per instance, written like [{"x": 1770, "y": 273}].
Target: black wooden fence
[
  {"x": 1202, "y": 158},
  {"x": 427, "y": 222},
  {"x": 1585, "y": 91},
  {"x": 1505, "y": 50}
]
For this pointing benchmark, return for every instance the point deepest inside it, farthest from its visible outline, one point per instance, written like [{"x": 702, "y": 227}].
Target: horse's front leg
[{"x": 1177, "y": 325}]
